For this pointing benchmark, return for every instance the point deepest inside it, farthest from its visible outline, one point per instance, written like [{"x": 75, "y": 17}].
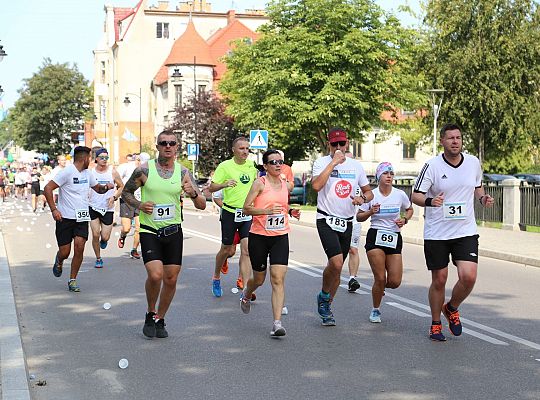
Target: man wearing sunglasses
[
  {"x": 336, "y": 179},
  {"x": 162, "y": 182},
  {"x": 102, "y": 205}
]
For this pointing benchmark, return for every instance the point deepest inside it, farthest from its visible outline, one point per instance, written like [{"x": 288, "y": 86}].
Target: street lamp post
[
  {"x": 127, "y": 102},
  {"x": 436, "y": 94}
]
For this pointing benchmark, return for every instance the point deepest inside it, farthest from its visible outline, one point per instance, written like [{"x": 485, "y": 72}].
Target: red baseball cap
[{"x": 337, "y": 135}]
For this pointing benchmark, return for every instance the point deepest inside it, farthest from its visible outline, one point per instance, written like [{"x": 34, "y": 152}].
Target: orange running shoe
[
  {"x": 240, "y": 284},
  {"x": 225, "y": 267},
  {"x": 435, "y": 333},
  {"x": 454, "y": 323}
]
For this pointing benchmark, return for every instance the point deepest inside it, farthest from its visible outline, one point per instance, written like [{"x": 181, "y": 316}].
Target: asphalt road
[{"x": 216, "y": 352}]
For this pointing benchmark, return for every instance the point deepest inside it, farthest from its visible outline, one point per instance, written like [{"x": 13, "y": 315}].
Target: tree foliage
[
  {"x": 318, "y": 64},
  {"x": 215, "y": 130},
  {"x": 486, "y": 55},
  {"x": 53, "y": 103}
]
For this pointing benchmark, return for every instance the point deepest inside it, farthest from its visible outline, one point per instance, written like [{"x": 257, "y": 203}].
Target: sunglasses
[
  {"x": 342, "y": 143},
  {"x": 167, "y": 143},
  {"x": 103, "y": 157},
  {"x": 275, "y": 162}
]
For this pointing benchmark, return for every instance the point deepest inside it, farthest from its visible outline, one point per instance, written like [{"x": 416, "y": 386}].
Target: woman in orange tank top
[{"x": 267, "y": 201}]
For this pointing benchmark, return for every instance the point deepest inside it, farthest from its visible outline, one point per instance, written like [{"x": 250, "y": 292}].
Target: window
[
  {"x": 409, "y": 151},
  {"x": 165, "y": 91},
  {"x": 356, "y": 149},
  {"x": 177, "y": 95},
  {"x": 103, "y": 72},
  {"x": 202, "y": 89},
  {"x": 162, "y": 30}
]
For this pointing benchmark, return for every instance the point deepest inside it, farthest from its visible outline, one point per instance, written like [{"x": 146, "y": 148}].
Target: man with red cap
[{"x": 336, "y": 179}]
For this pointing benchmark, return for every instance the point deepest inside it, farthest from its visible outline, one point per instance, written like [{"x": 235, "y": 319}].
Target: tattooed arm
[
  {"x": 189, "y": 185},
  {"x": 137, "y": 179}
]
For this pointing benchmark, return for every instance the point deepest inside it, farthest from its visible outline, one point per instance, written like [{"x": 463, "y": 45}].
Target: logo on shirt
[
  {"x": 444, "y": 176},
  {"x": 343, "y": 174},
  {"x": 343, "y": 189},
  {"x": 244, "y": 178},
  {"x": 77, "y": 181}
]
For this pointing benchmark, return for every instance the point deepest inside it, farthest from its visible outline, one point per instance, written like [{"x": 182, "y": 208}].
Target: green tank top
[{"x": 165, "y": 194}]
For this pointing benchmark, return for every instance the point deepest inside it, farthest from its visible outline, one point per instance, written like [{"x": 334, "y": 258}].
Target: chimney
[
  {"x": 163, "y": 5},
  {"x": 231, "y": 15}
]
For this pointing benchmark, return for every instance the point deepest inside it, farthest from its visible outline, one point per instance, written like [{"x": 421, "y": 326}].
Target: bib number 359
[{"x": 82, "y": 215}]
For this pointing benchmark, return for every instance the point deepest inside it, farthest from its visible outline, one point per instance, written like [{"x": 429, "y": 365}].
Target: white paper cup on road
[
  {"x": 106, "y": 306},
  {"x": 235, "y": 290},
  {"x": 123, "y": 363},
  {"x": 284, "y": 311},
  {"x": 48, "y": 246}
]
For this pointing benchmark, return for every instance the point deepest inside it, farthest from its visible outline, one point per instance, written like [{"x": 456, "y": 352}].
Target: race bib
[
  {"x": 386, "y": 239},
  {"x": 163, "y": 212},
  {"x": 337, "y": 224},
  {"x": 102, "y": 211},
  {"x": 455, "y": 210},
  {"x": 82, "y": 215},
  {"x": 239, "y": 216},
  {"x": 275, "y": 222}
]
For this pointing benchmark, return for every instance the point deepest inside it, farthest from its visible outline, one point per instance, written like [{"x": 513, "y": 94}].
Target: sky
[{"x": 68, "y": 31}]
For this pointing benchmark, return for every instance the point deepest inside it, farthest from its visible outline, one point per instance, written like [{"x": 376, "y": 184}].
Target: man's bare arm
[{"x": 137, "y": 179}]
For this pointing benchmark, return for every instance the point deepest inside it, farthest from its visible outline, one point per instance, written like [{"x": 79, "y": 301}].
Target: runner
[
  {"x": 35, "y": 190},
  {"x": 72, "y": 214},
  {"x": 161, "y": 182},
  {"x": 383, "y": 239},
  {"x": 267, "y": 201},
  {"x": 128, "y": 214},
  {"x": 335, "y": 178},
  {"x": 354, "y": 256},
  {"x": 235, "y": 177},
  {"x": 60, "y": 165},
  {"x": 447, "y": 186},
  {"x": 3, "y": 181},
  {"x": 102, "y": 205}
]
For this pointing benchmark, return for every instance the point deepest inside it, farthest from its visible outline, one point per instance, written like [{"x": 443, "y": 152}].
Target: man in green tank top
[
  {"x": 161, "y": 181},
  {"x": 234, "y": 177}
]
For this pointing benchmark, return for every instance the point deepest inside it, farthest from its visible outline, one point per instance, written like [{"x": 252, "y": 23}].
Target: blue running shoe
[
  {"x": 57, "y": 267},
  {"x": 375, "y": 316},
  {"x": 454, "y": 323},
  {"x": 216, "y": 287},
  {"x": 323, "y": 307},
  {"x": 103, "y": 244},
  {"x": 72, "y": 286},
  {"x": 328, "y": 321},
  {"x": 435, "y": 333},
  {"x": 99, "y": 263}
]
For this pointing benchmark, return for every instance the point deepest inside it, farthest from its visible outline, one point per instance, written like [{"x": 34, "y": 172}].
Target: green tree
[
  {"x": 318, "y": 64},
  {"x": 486, "y": 55},
  {"x": 215, "y": 130},
  {"x": 53, "y": 103}
]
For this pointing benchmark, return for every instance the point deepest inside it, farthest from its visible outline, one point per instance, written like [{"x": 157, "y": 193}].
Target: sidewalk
[{"x": 519, "y": 247}]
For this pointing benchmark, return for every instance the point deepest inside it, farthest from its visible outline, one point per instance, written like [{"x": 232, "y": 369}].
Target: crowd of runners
[{"x": 254, "y": 211}]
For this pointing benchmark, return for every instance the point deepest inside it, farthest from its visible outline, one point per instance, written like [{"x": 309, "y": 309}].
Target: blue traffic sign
[
  {"x": 258, "y": 139},
  {"x": 193, "y": 149}
]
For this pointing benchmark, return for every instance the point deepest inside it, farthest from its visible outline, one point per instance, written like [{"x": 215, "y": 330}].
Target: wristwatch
[{"x": 115, "y": 198}]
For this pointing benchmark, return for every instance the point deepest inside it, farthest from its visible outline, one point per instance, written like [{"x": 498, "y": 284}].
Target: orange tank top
[{"x": 271, "y": 225}]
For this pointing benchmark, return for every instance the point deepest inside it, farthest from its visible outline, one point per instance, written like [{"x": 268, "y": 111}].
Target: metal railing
[
  {"x": 529, "y": 205},
  {"x": 491, "y": 214}
]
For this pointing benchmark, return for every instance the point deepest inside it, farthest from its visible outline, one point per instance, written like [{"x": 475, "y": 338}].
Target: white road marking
[{"x": 317, "y": 272}]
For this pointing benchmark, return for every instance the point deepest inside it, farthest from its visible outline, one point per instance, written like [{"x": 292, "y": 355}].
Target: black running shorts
[
  {"x": 167, "y": 249},
  {"x": 370, "y": 243},
  {"x": 34, "y": 189},
  {"x": 261, "y": 246},
  {"x": 106, "y": 219},
  {"x": 229, "y": 227},
  {"x": 67, "y": 229},
  {"x": 437, "y": 252},
  {"x": 334, "y": 242}
]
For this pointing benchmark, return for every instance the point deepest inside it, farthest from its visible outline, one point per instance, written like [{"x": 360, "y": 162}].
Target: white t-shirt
[
  {"x": 456, "y": 218},
  {"x": 335, "y": 197},
  {"x": 125, "y": 170},
  {"x": 54, "y": 172},
  {"x": 97, "y": 200},
  {"x": 73, "y": 190},
  {"x": 391, "y": 207}
]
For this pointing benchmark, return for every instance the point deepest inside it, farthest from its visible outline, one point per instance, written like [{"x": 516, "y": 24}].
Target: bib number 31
[{"x": 454, "y": 210}]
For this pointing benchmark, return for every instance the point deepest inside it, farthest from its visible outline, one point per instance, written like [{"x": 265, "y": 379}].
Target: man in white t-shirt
[
  {"x": 61, "y": 164},
  {"x": 354, "y": 257},
  {"x": 336, "y": 179},
  {"x": 128, "y": 213},
  {"x": 72, "y": 214},
  {"x": 447, "y": 187}
]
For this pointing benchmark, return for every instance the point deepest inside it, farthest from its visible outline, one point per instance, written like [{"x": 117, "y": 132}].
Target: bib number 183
[{"x": 337, "y": 224}]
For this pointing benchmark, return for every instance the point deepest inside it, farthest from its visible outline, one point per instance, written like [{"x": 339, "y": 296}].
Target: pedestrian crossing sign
[{"x": 258, "y": 139}]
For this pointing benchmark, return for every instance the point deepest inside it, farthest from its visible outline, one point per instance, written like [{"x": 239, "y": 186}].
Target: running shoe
[
  {"x": 216, "y": 288},
  {"x": 57, "y": 267},
  {"x": 323, "y": 307},
  {"x": 435, "y": 333},
  {"x": 121, "y": 241},
  {"x": 375, "y": 316},
  {"x": 72, "y": 286},
  {"x": 99, "y": 263},
  {"x": 149, "y": 329},
  {"x": 353, "y": 285},
  {"x": 240, "y": 283},
  {"x": 225, "y": 267},
  {"x": 245, "y": 304},
  {"x": 253, "y": 296},
  {"x": 103, "y": 244},
  {"x": 161, "y": 332},
  {"x": 277, "y": 330},
  {"x": 134, "y": 254},
  {"x": 454, "y": 322}
]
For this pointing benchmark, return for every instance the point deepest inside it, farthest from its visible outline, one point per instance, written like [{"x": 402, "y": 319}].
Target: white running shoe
[
  {"x": 375, "y": 316},
  {"x": 277, "y": 329}
]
